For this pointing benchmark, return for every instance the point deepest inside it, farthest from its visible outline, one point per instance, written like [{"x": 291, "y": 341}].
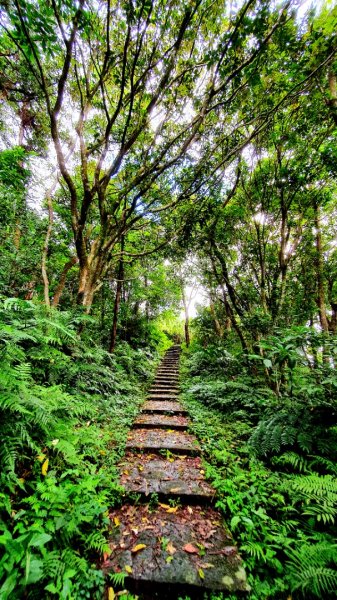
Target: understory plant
[
  {"x": 65, "y": 409},
  {"x": 271, "y": 456}
]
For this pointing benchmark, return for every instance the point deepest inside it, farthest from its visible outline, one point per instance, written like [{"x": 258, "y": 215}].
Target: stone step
[
  {"x": 163, "y": 397},
  {"x": 163, "y": 407},
  {"x": 164, "y": 387},
  {"x": 164, "y": 421},
  {"x": 183, "y": 478},
  {"x": 163, "y": 390},
  {"x": 160, "y": 439},
  {"x": 190, "y": 547},
  {"x": 166, "y": 378}
]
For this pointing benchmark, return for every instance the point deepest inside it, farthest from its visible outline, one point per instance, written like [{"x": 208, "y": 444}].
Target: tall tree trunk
[
  {"x": 217, "y": 327},
  {"x": 117, "y": 302},
  {"x": 319, "y": 272},
  {"x": 187, "y": 318},
  {"x": 60, "y": 287},
  {"x": 46, "y": 248}
]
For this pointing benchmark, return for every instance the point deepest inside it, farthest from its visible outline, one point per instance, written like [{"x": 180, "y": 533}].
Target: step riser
[{"x": 155, "y": 426}]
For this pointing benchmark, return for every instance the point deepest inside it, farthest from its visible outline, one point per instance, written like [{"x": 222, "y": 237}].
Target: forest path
[{"x": 174, "y": 540}]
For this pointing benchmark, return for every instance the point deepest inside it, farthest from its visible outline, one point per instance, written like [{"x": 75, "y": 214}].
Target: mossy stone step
[
  {"x": 179, "y": 477},
  {"x": 165, "y": 421},
  {"x": 162, "y": 406},
  {"x": 160, "y": 439},
  {"x": 190, "y": 546},
  {"x": 165, "y": 396}
]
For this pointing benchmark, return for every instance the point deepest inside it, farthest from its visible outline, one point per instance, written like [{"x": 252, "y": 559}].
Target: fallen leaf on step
[
  {"x": 170, "y": 548},
  {"x": 190, "y": 510},
  {"x": 172, "y": 509},
  {"x": 174, "y": 490},
  {"x": 111, "y": 594},
  {"x": 190, "y": 549},
  {"x": 117, "y": 521},
  {"x": 128, "y": 569},
  {"x": 166, "y": 506},
  {"x": 229, "y": 550},
  {"x": 201, "y": 574},
  {"x": 138, "y": 547}
]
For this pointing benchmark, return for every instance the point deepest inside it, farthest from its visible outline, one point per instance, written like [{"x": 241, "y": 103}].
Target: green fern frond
[{"x": 313, "y": 568}]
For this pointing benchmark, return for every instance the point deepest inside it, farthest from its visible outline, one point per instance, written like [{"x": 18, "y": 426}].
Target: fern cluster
[{"x": 65, "y": 409}]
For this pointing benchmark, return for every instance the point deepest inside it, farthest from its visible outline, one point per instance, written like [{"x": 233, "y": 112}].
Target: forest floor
[{"x": 167, "y": 538}]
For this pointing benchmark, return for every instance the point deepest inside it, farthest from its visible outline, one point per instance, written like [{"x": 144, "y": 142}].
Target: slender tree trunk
[
  {"x": 117, "y": 302},
  {"x": 187, "y": 318},
  {"x": 62, "y": 282},
  {"x": 46, "y": 248},
  {"x": 319, "y": 273},
  {"x": 217, "y": 327}
]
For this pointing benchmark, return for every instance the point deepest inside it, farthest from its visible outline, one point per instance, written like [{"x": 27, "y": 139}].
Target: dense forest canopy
[{"x": 155, "y": 155}]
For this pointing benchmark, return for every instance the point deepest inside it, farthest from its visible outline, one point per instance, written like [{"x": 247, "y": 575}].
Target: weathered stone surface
[
  {"x": 164, "y": 387},
  {"x": 161, "y": 420},
  {"x": 162, "y": 406},
  {"x": 160, "y": 439},
  {"x": 165, "y": 396},
  {"x": 182, "y": 477},
  {"x": 189, "y": 546}
]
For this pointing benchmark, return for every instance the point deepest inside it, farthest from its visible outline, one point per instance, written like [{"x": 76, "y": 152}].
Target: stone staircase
[{"x": 170, "y": 539}]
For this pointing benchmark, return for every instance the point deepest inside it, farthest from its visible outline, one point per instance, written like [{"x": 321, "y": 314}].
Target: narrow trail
[{"x": 171, "y": 539}]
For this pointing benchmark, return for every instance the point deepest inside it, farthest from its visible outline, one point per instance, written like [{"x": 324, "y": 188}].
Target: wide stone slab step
[
  {"x": 189, "y": 546},
  {"x": 162, "y": 406},
  {"x": 158, "y": 387},
  {"x": 159, "y": 420},
  {"x": 160, "y": 439},
  {"x": 163, "y": 396},
  {"x": 179, "y": 477}
]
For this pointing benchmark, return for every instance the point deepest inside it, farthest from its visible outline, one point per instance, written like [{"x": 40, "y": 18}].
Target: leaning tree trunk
[
  {"x": 62, "y": 282},
  {"x": 120, "y": 280}
]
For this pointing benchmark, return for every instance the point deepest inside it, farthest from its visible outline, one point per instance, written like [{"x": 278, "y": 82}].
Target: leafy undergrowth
[
  {"x": 65, "y": 410},
  {"x": 275, "y": 477}
]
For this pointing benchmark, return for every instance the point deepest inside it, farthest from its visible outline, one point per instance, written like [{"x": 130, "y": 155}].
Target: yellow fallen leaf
[
  {"x": 117, "y": 521},
  {"x": 44, "y": 467},
  {"x": 170, "y": 548},
  {"x": 111, "y": 594},
  {"x": 169, "y": 559},
  {"x": 190, "y": 510},
  {"x": 41, "y": 457},
  {"x": 140, "y": 468},
  {"x": 128, "y": 569},
  {"x": 126, "y": 472},
  {"x": 138, "y": 547},
  {"x": 171, "y": 459},
  {"x": 174, "y": 490},
  {"x": 166, "y": 506},
  {"x": 201, "y": 574},
  {"x": 102, "y": 452},
  {"x": 172, "y": 509}
]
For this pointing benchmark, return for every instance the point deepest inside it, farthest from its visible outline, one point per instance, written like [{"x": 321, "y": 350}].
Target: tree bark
[
  {"x": 319, "y": 272},
  {"x": 120, "y": 280},
  {"x": 60, "y": 287}
]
